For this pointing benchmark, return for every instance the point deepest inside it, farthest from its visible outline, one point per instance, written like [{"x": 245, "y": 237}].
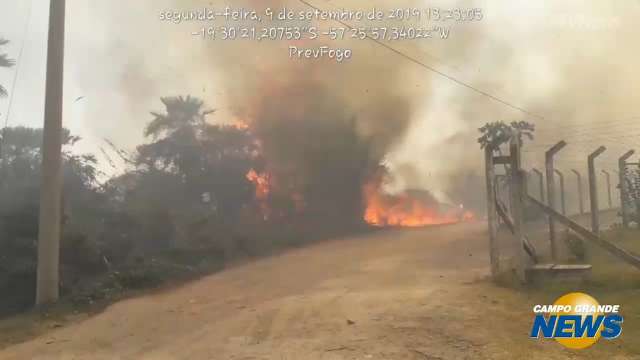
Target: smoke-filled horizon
[{"x": 572, "y": 63}]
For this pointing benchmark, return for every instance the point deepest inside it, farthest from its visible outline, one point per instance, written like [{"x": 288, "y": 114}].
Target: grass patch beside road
[{"x": 612, "y": 281}]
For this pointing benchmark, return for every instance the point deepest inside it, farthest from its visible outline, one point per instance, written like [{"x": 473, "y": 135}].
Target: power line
[
  {"x": 13, "y": 85},
  {"x": 614, "y": 133},
  {"x": 577, "y": 128},
  {"x": 18, "y": 62},
  {"x": 434, "y": 70},
  {"x": 620, "y": 141}
]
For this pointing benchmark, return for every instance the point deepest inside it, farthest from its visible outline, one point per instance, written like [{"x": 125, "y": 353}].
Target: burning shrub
[{"x": 410, "y": 208}]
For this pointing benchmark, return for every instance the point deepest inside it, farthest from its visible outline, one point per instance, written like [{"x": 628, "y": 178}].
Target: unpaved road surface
[{"x": 397, "y": 294}]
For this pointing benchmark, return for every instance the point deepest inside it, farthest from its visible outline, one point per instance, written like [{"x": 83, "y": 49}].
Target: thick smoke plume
[
  {"x": 560, "y": 60},
  {"x": 324, "y": 127}
]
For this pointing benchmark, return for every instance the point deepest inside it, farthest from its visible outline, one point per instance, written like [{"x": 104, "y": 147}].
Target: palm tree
[
  {"x": 181, "y": 113},
  {"x": 175, "y": 134},
  {"x": 5, "y": 62}
]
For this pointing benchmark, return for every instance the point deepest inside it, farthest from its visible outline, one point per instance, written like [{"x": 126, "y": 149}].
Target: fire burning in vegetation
[
  {"x": 413, "y": 208},
  {"x": 409, "y": 209},
  {"x": 240, "y": 125},
  {"x": 468, "y": 216},
  {"x": 321, "y": 161},
  {"x": 262, "y": 184}
]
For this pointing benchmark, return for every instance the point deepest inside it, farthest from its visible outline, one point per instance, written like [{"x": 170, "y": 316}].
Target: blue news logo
[{"x": 577, "y": 321}]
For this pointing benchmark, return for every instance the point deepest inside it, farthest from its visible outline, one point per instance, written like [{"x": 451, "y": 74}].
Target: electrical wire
[
  {"x": 434, "y": 70},
  {"x": 18, "y": 62}
]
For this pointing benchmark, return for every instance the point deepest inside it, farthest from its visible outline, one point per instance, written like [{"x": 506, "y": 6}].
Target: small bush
[
  {"x": 82, "y": 255},
  {"x": 136, "y": 278},
  {"x": 576, "y": 246}
]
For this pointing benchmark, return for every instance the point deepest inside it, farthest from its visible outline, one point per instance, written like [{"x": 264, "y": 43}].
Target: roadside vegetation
[{"x": 191, "y": 199}]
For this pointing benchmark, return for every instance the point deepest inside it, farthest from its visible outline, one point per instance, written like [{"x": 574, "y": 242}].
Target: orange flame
[
  {"x": 240, "y": 124},
  {"x": 468, "y": 216},
  {"x": 404, "y": 210},
  {"x": 262, "y": 184}
]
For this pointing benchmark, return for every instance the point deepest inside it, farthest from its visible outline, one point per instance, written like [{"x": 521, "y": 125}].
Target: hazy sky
[
  {"x": 28, "y": 94},
  {"x": 99, "y": 56},
  {"x": 574, "y": 62}
]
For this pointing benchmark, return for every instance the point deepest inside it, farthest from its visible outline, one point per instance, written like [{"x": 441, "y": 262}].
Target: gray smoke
[{"x": 563, "y": 61}]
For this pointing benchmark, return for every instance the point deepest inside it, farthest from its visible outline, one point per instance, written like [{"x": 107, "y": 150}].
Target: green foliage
[
  {"x": 497, "y": 133},
  {"x": 180, "y": 113},
  {"x": 83, "y": 254},
  {"x": 187, "y": 158},
  {"x": 184, "y": 204},
  {"x": 132, "y": 216},
  {"x": 576, "y": 246},
  {"x": 335, "y": 155},
  {"x": 139, "y": 277},
  {"x": 19, "y": 191}
]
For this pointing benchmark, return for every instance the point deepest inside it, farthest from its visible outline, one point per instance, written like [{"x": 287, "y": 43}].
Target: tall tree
[
  {"x": 86, "y": 207},
  {"x": 175, "y": 134},
  {"x": 21, "y": 169},
  {"x": 5, "y": 62},
  {"x": 192, "y": 169}
]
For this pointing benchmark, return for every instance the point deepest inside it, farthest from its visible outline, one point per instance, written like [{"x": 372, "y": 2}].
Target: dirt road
[{"x": 398, "y": 294}]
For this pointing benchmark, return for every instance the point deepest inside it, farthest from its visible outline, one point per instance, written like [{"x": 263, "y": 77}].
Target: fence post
[
  {"x": 551, "y": 197},
  {"x": 617, "y": 176},
  {"x": 593, "y": 190},
  {"x": 580, "y": 190},
  {"x": 517, "y": 191},
  {"x": 501, "y": 180},
  {"x": 562, "y": 199},
  {"x": 540, "y": 183},
  {"x": 622, "y": 171},
  {"x": 494, "y": 254},
  {"x": 608, "y": 178}
]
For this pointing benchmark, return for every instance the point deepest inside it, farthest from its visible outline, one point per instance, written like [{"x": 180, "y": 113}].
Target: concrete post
[
  {"x": 50, "y": 192},
  {"x": 500, "y": 182},
  {"x": 517, "y": 192},
  {"x": 622, "y": 171},
  {"x": 593, "y": 190},
  {"x": 494, "y": 254},
  {"x": 551, "y": 197},
  {"x": 608, "y": 179},
  {"x": 540, "y": 183},
  {"x": 580, "y": 191},
  {"x": 562, "y": 198},
  {"x": 616, "y": 178}
]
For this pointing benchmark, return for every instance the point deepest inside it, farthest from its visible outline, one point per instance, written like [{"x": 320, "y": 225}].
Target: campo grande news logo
[{"x": 577, "y": 321}]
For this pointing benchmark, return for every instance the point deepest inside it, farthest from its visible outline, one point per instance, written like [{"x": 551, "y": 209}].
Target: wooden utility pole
[
  {"x": 551, "y": 189},
  {"x": 593, "y": 190},
  {"x": 50, "y": 192},
  {"x": 580, "y": 191}
]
